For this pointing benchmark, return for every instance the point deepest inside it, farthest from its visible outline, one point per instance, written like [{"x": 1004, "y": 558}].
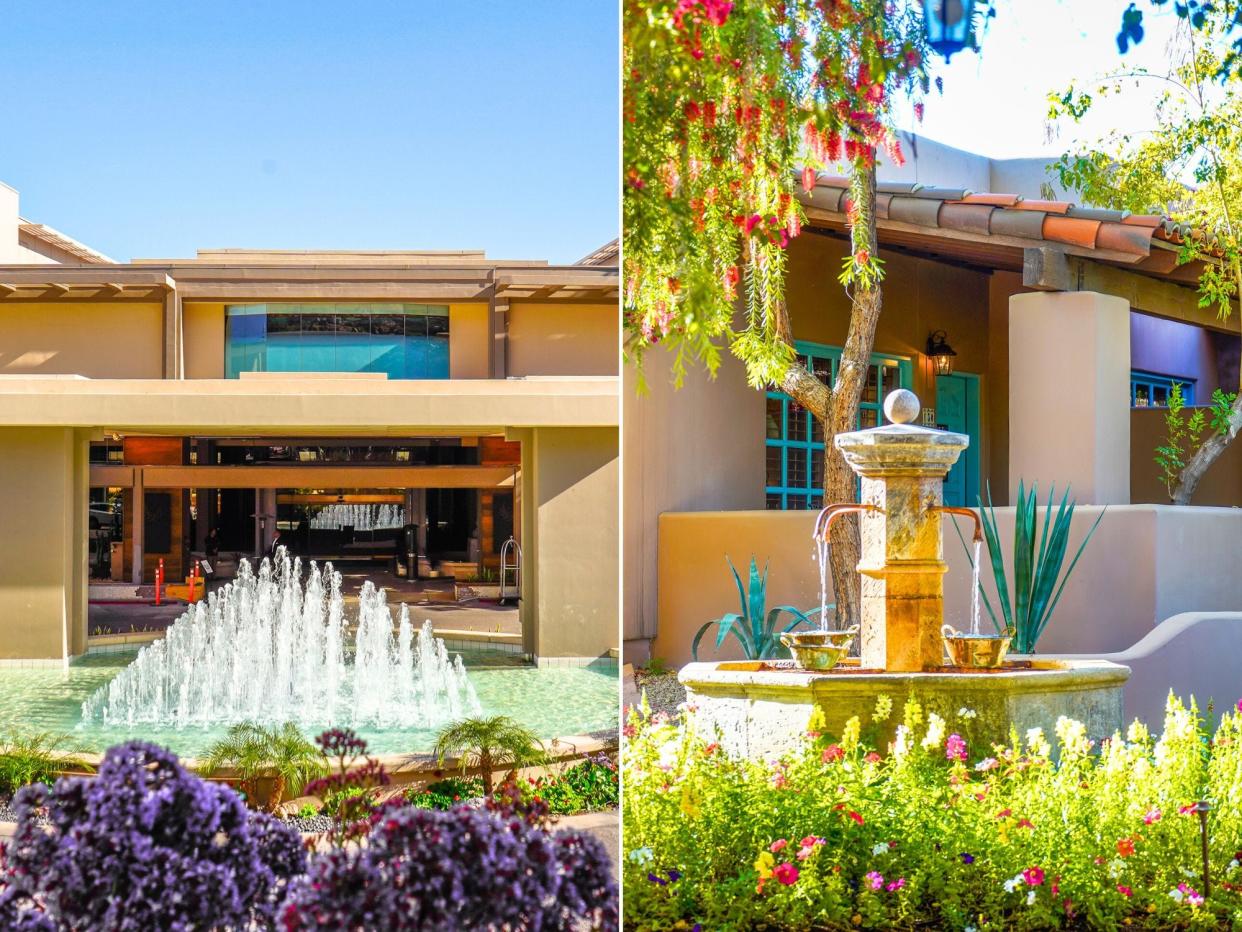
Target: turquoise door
[{"x": 957, "y": 409}]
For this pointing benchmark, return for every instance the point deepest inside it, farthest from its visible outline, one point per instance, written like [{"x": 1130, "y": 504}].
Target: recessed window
[
  {"x": 795, "y": 440},
  {"x": 404, "y": 341},
  {"x": 1148, "y": 390}
]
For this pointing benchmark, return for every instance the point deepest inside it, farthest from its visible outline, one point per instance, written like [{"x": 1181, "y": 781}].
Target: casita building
[{"x": 410, "y": 410}]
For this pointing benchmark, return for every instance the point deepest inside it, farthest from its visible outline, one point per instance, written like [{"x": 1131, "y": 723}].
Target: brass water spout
[
  {"x": 823, "y": 522},
  {"x": 966, "y": 513}
]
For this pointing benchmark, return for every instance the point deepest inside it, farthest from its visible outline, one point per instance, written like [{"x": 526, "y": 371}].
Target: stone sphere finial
[{"x": 902, "y": 406}]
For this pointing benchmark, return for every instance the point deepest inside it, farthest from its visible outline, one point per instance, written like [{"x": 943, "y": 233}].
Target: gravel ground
[{"x": 664, "y": 692}]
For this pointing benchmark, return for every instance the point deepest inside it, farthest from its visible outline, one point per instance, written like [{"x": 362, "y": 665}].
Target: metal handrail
[{"x": 511, "y": 548}]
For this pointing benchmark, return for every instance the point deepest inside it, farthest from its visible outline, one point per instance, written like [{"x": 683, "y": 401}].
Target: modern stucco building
[
  {"x": 1069, "y": 325},
  {"x": 476, "y": 397}
]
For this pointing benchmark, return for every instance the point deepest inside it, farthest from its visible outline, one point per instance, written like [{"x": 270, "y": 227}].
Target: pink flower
[
  {"x": 1124, "y": 890},
  {"x": 786, "y": 873},
  {"x": 1186, "y": 810},
  {"x": 777, "y": 845},
  {"x": 1240, "y": 705},
  {"x": 955, "y": 747},
  {"x": 832, "y": 753},
  {"x": 809, "y": 844},
  {"x": 752, "y": 221},
  {"x": 1193, "y": 897},
  {"x": 875, "y": 879},
  {"x": 896, "y": 884},
  {"x": 1033, "y": 876},
  {"x": 1152, "y": 815}
]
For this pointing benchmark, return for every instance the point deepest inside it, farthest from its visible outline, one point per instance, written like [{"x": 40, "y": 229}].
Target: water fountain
[
  {"x": 269, "y": 648},
  {"x": 762, "y": 707}
]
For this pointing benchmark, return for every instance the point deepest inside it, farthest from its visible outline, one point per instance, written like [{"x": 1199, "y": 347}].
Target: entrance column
[
  {"x": 1069, "y": 394},
  {"x": 570, "y": 579},
  {"x": 138, "y": 501},
  {"x": 44, "y": 478}
]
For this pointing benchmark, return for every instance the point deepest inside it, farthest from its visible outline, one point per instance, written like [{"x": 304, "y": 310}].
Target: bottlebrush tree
[{"x": 727, "y": 107}]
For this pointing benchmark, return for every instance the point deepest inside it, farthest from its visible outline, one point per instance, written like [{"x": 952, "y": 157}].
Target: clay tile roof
[{"x": 992, "y": 214}]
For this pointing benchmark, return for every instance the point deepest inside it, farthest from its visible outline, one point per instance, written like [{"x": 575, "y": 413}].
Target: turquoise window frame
[
  {"x": 799, "y": 453},
  {"x": 1151, "y": 381}
]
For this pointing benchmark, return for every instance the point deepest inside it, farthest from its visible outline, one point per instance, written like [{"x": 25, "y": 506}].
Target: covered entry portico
[{"x": 567, "y": 482}]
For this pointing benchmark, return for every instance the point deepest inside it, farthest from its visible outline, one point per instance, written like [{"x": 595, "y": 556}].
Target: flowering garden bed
[{"x": 933, "y": 833}]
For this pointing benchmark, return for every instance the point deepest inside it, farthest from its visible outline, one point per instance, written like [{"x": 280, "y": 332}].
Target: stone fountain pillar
[{"x": 902, "y": 467}]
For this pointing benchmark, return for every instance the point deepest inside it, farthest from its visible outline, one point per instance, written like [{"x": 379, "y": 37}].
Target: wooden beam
[
  {"x": 1048, "y": 270},
  {"x": 173, "y": 368},
  {"x": 314, "y": 477},
  {"x": 498, "y": 336},
  {"x": 6, "y": 289}
]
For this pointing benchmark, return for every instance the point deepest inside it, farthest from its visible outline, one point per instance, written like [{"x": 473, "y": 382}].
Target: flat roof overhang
[
  {"x": 292, "y": 407},
  {"x": 413, "y": 283}
]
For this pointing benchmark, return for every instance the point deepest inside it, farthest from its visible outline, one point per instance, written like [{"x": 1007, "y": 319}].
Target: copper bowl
[
  {"x": 980, "y": 651},
  {"x": 819, "y": 650}
]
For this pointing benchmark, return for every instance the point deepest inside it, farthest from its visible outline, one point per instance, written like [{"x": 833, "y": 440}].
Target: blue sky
[
  {"x": 152, "y": 129},
  {"x": 995, "y": 102}
]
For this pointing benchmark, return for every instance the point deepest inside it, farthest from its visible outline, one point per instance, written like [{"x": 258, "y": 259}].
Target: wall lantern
[
  {"x": 940, "y": 353},
  {"x": 947, "y": 23}
]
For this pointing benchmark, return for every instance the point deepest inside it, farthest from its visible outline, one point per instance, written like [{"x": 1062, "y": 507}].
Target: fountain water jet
[{"x": 268, "y": 649}]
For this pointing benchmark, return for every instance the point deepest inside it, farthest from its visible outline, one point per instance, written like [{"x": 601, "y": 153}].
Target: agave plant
[
  {"x": 1037, "y": 578},
  {"x": 284, "y": 755},
  {"x": 755, "y": 627}
]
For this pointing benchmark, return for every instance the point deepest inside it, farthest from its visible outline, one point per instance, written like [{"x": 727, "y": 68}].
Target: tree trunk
[
  {"x": 839, "y": 480},
  {"x": 1206, "y": 455},
  {"x": 485, "y": 768},
  {"x": 277, "y": 793}
]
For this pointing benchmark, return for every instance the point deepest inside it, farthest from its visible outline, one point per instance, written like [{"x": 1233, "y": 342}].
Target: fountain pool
[
  {"x": 278, "y": 646},
  {"x": 552, "y": 701}
]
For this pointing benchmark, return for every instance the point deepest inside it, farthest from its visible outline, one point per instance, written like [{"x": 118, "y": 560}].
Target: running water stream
[
  {"x": 268, "y": 649},
  {"x": 822, "y": 549},
  {"x": 974, "y": 592}
]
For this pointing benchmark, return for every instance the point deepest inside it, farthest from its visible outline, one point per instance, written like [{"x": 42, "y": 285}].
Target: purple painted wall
[{"x": 1168, "y": 347}]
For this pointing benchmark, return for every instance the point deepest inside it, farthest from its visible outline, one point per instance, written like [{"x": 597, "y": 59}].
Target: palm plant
[
  {"x": 1036, "y": 591},
  {"x": 35, "y": 757},
  {"x": 488, "y": 743},
  {"x": 755, "y": 626},
  {"x": 284, "y": 755}
]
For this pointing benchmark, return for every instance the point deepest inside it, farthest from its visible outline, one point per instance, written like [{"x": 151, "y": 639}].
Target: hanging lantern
[
  {"x": 940, "y": 353},
  {"x": 948, "y": 25}
]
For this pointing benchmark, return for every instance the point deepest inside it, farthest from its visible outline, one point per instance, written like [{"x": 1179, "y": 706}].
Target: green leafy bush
[
  {"x": 445, "y": 794},
  {"x": 488, "y": 743},
  {"x": 587, "y": 786},
  {"x": 1100, "y": 834},
  {"x": 34, "y": 757},
  {"x": 756, "y": 628},
  {"x": 283, "y": 756}
]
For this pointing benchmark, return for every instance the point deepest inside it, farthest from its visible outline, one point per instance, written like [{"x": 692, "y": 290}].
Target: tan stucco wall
[
  {"x": 570, "y": 599},
  {"x": 100, "y": 341},
  {"x": 43, "y": 557},
  {"x": 468, "y": 334},
  {"x": 204, "y": 341},
  {"x": 563, "y": 339},
  {"x": 697, "y": 447},
  {"x": 1145, "y": 563}
]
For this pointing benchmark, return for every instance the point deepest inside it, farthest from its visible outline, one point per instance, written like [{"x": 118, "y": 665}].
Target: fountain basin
[{"x": 761, "y": 708}]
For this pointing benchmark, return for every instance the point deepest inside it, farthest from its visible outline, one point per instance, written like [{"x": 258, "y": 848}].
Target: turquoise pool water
[{"x": 551, "y": 701}]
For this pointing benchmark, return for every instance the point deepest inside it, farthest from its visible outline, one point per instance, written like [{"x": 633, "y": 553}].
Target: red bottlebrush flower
[
  {"x": 918, "y": 111},
  {"x": 832, "y": 753},
  {"x": 711, "y": 749},
  {"x": 709, "y": 113},
  {"x": 692, "y": 111},
  {"x": 674, "y": 285},
  {"x": 862, "y": 257},
  {"x": 733, "y": 275},
  {"x": 808, "y": 179}
]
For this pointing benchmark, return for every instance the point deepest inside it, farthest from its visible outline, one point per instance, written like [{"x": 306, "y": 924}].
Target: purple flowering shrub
[
  {"x": 350, "y": 787},
  {"x": 145, "y": 845},
  {"x": 424, "y": 870}
]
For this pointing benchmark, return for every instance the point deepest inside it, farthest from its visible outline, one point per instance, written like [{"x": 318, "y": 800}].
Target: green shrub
[
  {"x": 931, "y": 833},
  {"x": 445, "y": 794},
  {"x": 587, "y": 786},
  {"x": 35, "y": 757},
  {"x": 284, "y": 755},
  {"x": 488, "y": 743}
]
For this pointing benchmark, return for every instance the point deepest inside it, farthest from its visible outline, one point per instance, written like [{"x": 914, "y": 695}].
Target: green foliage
[
  {"x": 656, "y": 666},
  {"x": 346, "y": 799},
  {"x": 35, "y": 757},
  {"x": 308, "y": 811},
  {"x": 445, "y": 794},
  {"x": 488, "y": 743},
  {"x": 1035, "y": 575},
  {"x": 935, "y": 833},
  {"x": 1184, "y": 434},
  {"x": 284, "y": 755},
  {"x": 755, "y": 627},
  {"x": 587, "y": 786}
]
